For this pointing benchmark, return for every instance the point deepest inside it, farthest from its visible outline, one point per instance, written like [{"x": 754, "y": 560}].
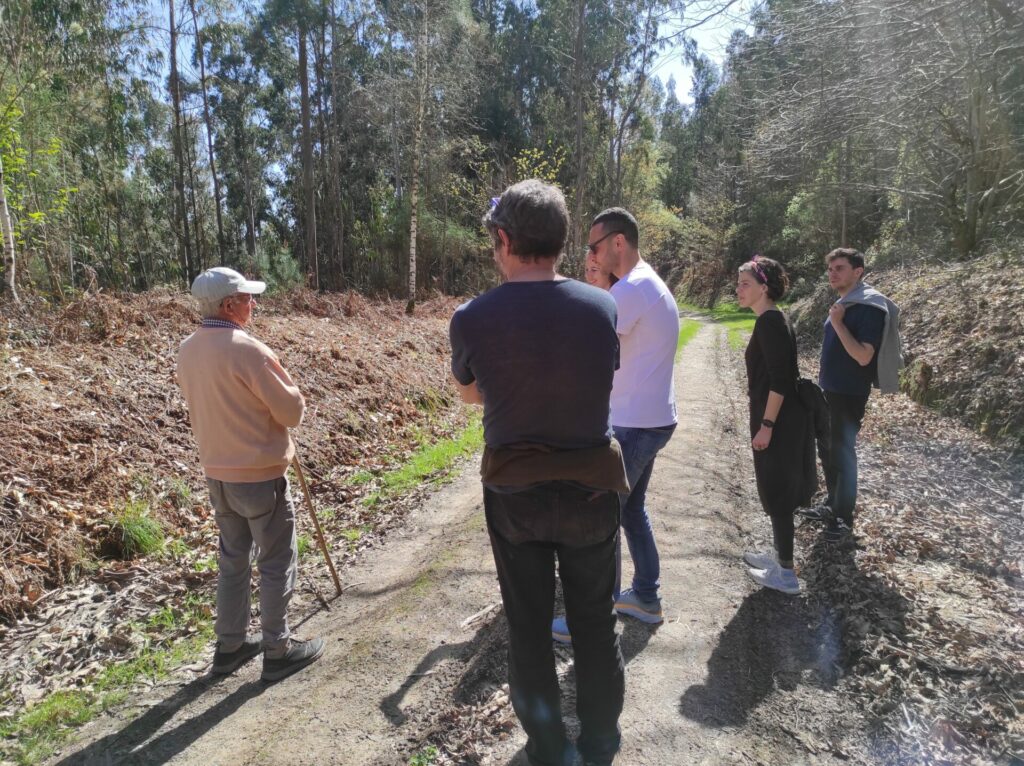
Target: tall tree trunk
[
  {"x": 335, "y": 156},
  {"x": 201, "y": 55},
  {"x": 312, "y": 265},
  {"x": 197, "y": 220},
  {"x": 8, "y": 235},
  {"x": 844, "y": 193},
  {"x": 577, "y": 234},
  {"x": 422, "y": 75},
  {"x": 181, "y": 209}
]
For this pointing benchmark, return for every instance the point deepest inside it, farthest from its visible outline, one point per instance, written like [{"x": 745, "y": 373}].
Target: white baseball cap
[{"x": 218, "y": 283}]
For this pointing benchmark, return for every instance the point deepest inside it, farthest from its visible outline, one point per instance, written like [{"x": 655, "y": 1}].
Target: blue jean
[
  {"x": 528, "y": 531},
  {"x": 845, "y": 415},
  {"x": 639, "y": 448}
]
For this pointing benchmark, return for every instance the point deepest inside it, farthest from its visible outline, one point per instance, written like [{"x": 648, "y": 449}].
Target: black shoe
[
  {"x": 819, "y": 512},
  {"x": 229, "y": 662},
  {"x": 298, "y": 654},
  {"x": 838, "y": 531}
]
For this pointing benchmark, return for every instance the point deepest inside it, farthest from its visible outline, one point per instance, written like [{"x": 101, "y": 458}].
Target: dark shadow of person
[
  {"x": 767, "y": 642},
  {"x": 780, "y": 641},
  {"x": 132, "y": 744}
]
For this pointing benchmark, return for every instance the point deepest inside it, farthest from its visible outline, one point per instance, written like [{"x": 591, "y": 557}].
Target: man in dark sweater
[
  {"x": 853, "y": 335},
  {"x": 539, "y": 352}
]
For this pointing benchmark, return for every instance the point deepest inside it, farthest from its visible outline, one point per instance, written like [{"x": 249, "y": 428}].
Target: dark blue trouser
[
  {"x": 639, "y": 448},
  {"x": 845, "y": 414},
  {"x": 528, "y": 530}
]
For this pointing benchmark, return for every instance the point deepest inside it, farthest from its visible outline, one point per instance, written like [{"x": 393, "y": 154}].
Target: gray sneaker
[
  {"x": 629, "y": 603},
  {"x": 229, "y": 662},
  {"x": 297, "y": 655},
  {"x": 760, "y": 560},
  {"x": 776, "y": 578}
]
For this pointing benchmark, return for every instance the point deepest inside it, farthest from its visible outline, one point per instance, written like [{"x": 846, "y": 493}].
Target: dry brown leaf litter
[
  {"x": 92, "y": 418},
  {"x": 926, "y": 603}
]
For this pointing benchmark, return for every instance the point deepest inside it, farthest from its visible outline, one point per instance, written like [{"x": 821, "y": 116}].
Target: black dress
[{"x": 771, "y": 366}]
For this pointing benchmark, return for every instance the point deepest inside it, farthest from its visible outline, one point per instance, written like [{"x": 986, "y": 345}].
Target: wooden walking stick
[{"x": 316, "y": 522}]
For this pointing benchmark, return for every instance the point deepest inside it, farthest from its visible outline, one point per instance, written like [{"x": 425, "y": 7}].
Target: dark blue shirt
[
  {"x": 840, "y": 372},
  {"x": 543, "y": 355}
]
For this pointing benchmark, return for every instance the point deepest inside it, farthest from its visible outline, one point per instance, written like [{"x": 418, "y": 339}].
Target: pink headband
[{"x": 758, "y": 272}]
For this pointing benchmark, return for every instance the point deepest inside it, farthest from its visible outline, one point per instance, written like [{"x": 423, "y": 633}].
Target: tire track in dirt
[{"x": 733, "y": 676}]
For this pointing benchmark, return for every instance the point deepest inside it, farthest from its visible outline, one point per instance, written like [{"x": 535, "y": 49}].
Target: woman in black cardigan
[{"x": 778, "y": 421}]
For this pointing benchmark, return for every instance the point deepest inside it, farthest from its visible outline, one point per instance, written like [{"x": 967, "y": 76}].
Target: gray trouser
[{"x": 257, "y": 514}]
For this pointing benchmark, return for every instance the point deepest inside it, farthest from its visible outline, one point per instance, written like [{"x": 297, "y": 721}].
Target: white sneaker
[
  {"x": 760, "y": 560},
  {"x": 776, "y": 578}
]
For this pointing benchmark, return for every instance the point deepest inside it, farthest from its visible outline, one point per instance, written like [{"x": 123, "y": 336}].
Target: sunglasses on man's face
[{"x": 592, "y": 246}]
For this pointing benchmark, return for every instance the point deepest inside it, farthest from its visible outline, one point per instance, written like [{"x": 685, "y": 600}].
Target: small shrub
[{"x": 133, "y": 532}]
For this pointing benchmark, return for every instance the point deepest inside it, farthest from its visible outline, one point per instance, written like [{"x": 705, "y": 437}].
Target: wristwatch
[{"x": 767, "y": 423}]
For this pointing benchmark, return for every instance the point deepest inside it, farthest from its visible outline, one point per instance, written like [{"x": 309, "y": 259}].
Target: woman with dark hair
[{"x": 778, "y": 421}]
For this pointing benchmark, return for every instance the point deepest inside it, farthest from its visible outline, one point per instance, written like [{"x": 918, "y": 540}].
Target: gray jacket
[{"x": 890, "y": 353}]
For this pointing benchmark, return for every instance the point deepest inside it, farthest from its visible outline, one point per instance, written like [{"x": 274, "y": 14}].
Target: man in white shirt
[{"x": 643, "y": 409}]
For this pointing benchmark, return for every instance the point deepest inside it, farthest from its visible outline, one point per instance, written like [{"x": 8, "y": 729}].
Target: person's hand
[
  {"x": 836, "y": 313},
  {"x": 761, "y": 439}
]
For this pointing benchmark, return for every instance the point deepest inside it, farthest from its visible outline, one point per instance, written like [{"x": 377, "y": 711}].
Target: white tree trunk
[{"x": 8, "y": 236}]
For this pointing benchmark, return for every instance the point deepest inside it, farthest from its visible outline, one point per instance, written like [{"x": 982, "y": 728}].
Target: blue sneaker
[
  {"x": 630, "y": 604},
  {"x": 560, "y": 631}
]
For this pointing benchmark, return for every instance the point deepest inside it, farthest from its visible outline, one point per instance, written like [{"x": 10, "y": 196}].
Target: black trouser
[
  {"x": 528, "y": 530},
  {"x": 845, "y": 415},
  {"x": 782, "y": 536}
]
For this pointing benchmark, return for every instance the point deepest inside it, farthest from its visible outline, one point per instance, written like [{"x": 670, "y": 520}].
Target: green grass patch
[
  {"x": 304, "y": 544},
  {"x": 354, "y": 534},
  {"x": 134, "y": 532},
  {"x": 738, "y": 322},
  {"x": 430, "y": 461},
  {"x": 178, "y": 548},
  {"x": 688, "y": 329},
  {"x": 425, "y": 757},
  {"x": 205, "y": 564},
  {"x": 179, "y": 493},
  {"x": 32, "y": 736}
]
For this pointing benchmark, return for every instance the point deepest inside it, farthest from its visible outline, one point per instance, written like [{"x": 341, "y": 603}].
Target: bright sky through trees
[{"x": 712, "y": 38}]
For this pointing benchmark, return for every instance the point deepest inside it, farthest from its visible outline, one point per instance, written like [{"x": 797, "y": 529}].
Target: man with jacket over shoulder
[{"x": 860, "y": 347}]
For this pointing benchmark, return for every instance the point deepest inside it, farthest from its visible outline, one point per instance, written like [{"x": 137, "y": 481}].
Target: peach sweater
[{"x": 241, "y": 403}]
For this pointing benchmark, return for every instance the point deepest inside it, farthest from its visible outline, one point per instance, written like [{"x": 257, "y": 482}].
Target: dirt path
[{"x": 416, "y": 645}]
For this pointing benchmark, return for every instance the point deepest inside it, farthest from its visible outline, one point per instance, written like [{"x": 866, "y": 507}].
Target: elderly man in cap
[{"x": 241, "y": 403}]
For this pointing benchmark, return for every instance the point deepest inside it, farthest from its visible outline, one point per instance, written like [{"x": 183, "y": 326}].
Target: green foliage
[
  {"x": 275, "y": 264},
  {"x": 37, "y": 732},
  {"x": 207, "y": 564},
  {"x": 304, "y": 544},
  {"x": 544, "y": 162},
  {"x": 179, "y": 493},
  {"x": 425, "y": 757},
  {"x": 178, "y": 548},
  {"x": 134, "y": 532},
  {"x": 688, "y": 330},
  {"x": 429, "y": 462},
  {"x": 739, "y": 323}
]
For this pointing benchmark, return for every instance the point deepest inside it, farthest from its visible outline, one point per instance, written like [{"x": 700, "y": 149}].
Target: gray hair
[
  {"x": 210, "y": 309},
  {"x": 535, "y": 217}
]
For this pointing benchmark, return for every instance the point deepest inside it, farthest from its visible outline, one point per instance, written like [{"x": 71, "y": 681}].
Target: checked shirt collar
[{"x": 222, "y": 323}]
